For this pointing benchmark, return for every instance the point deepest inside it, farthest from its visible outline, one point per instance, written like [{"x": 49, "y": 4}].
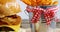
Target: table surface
[{"x": 26, "y": 27}]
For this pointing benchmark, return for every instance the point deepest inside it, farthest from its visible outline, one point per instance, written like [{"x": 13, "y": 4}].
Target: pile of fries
[{"x": 40, "y": 2}]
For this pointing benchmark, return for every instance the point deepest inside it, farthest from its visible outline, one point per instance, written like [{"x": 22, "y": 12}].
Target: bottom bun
[{"x": 10, "y": 28}]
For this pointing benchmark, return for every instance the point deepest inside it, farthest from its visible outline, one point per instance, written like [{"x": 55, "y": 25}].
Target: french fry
[
  {"x": 56, "y": 2},
  {"x": 26, "y": 2}
]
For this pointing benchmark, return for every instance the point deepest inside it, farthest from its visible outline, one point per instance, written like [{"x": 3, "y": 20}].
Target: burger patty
[{"x": 10, "y": 20}]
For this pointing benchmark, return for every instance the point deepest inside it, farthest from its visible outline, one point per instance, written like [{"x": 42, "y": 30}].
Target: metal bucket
[{"x": 33, "y": 26}]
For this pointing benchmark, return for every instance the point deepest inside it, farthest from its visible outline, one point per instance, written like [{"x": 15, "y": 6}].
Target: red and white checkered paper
[{"x": 49, "y": 13}]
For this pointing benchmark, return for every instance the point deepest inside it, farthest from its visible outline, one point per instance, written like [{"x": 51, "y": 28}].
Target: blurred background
[{"x": 25, "y": 19}]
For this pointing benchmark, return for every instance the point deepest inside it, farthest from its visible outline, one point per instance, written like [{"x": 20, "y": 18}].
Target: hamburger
[{"x": 9, "y": 21}]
